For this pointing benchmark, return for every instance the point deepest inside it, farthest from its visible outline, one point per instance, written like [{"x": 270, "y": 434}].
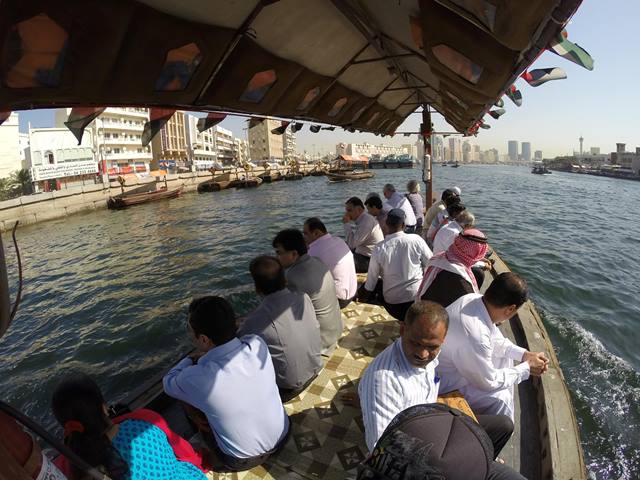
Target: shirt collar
[
  {"x": 319, "y": 240},
  {"x": 394, "y": 235},
  {"x": 221, "y": 351}
]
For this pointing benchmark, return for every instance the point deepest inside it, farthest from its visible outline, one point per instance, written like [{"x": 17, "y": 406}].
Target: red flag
[
  {"x": 211, "y": 120},
  {"x": 158, "y": 118},
  {"x": 79, "y": 118}
]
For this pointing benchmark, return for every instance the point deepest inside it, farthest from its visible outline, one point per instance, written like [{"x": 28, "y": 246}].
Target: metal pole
[{"x": 426, "y": 130}]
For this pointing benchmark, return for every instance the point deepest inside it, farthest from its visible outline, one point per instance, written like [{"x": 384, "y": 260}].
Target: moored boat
[
  {"x": 349, "y": 176},
  {"x": 124, "y": 200},
  {"x": 540, "y": 168},
  {"x": 253, "y": 182},
  {"x": 292, "y": 176}
]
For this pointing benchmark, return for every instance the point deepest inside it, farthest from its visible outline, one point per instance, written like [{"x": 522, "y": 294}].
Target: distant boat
[
  {"x": 444, "y": 164},
  {"x": 127, "y": 200},
  {"x": 348, "y": 176},
  {"x": 540, "y": 169},
  {"x": 455, "y": 165}
]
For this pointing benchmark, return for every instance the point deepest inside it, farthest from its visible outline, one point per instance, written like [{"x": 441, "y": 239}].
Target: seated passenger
[
  {"x": 136, "y": 446},
  {"x": 415, "y": 199},
  {"x": 404, "y": 375},
  {"x": 441, "y": 218},
  {"x": 477, "y": 359},
  {"x": 233, "y": 384},
  {"x": 309, "y": 275},
  {"x": 374, "y": 208},
  {"x": 335, "y": 254},
  {"x": 438, "y": 206},
  {"x": 286, "y": 321},
  {"x": 361, "y": 236},
  {"x": 449, "y": 274},
  {"x": 396, "y": 200},
  {"x": 447, "y": 234},
  {"x": 400, "y": 260}
]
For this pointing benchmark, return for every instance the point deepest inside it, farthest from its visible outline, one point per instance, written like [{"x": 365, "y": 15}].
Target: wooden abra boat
[
  {"x": 253, "y": 182},
  {"x": 124, "y": 200},
  {"x": 293, "y": 176},
  {"x": 217, "y": 183},
  {"x": 327, "y": 436},
  {"x": 348, "y": 176}
]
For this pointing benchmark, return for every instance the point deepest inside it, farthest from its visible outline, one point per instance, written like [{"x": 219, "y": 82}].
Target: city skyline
[{"x": 553, "y": 116}]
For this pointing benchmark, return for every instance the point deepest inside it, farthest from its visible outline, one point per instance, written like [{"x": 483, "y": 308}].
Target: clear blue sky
[{"x": 601, "y": 105}]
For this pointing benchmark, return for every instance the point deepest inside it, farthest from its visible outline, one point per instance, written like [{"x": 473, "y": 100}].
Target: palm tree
[{"x": 20, "y": 182}]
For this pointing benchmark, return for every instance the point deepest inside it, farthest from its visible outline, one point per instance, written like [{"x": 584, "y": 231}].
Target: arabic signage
[{"x": 61, "y": 170}]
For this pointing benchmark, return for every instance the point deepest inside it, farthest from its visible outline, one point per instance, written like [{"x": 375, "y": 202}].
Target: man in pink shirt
[{"x": 336, "y": 255}]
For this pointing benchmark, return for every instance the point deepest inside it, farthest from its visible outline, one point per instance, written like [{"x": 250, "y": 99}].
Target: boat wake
[{"x": 606, "y": 393}]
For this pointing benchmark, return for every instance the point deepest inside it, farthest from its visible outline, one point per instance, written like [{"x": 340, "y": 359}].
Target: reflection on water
[{"x": 106, "y": 291}]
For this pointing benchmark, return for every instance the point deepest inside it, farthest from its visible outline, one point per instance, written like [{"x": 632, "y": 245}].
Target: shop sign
[{"x": 61, "y": 170}]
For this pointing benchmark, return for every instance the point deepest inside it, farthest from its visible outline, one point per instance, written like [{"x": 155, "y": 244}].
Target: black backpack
[{"x": 430, "y": 442}]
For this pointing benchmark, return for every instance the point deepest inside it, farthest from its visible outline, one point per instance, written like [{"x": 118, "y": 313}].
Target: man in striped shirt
[{"x": 403, "y": 375}]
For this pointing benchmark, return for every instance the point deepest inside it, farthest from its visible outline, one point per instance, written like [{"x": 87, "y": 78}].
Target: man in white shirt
[
  {"x": 403, "y": 375},
  {"x": 335, "y": 254},
  {"x": 400, "y": 260},
  {"x": 477, "y": 359},
  {"x": 362, "y": 235},
  {"x": 447, "y": 234},
  {"x": 397, "y": 200}
]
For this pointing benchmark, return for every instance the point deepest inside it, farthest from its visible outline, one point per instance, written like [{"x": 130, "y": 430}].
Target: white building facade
[
  {"x": 368, "y": 149},
  {"x": 10, "y": 158},
  {"x": 201, "y": 146},
  {"x": 56, "y": 161}
]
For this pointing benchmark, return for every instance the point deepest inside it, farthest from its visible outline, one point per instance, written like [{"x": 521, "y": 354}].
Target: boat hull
[
  {"x": 348, "y": 177},
  {"x": 124, "y": 201}
]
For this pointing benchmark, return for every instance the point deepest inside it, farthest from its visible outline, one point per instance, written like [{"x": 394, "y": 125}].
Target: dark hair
[
  {"x": 314, "y": 223},
  {"x": 452, "y": 200},
  {"x": 78, "y": 398},
  {"x": 374, "y": 202},
  {"x": 267, "y": 274},
  {"x": 355, "y": 202},
  {"x": 507, "y": 289},
  {"x": 435, "y": 312},
  {"x": 291, "y": 239},
  {"x": 213, "y": 317},
  {"x": 448, "y": 193},
  {"x": 454, "y": 209}
]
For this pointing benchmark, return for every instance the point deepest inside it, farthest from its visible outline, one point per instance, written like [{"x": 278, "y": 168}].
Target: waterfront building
[
  {"x": 526, "y": 152},
  {"x": 411, "y": 149},
  {"x": 475, "y": 153},
  {"x": 264, "y": 145},
  {"x": 512, "y": 149},
  {"x": 491, "y": 156},
  {"x": 117, "y": 139},
  {"x": 241, "y": 150},
  {"x": 201, "y": 146},
  {"x": 169, "y": 146},
  {"x": 289, "y": 145},
  {"x": 466, "y": 151},
  {"x": 455, "y": 149},
  {"x": 537, "y": 155},
  {"x": 225, "y": 145},
  {"x": 626, "y": 160},
  {"x": 594, "y": 150},
  {"x": 56, "y": 161},
  {"x": 10, "y": 158}
]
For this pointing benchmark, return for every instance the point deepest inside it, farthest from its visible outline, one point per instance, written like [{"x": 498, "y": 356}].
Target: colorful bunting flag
[
  {"x": 570, "y": 51},
  {"x": 281, "y": 129},
  {"x": 497, "y": 113},
  {"x": 315, "y": 128},
  {"x": 158, "y": 119},
  {"x": 328, "y": 128},
  {"x": 211, "y": 120},
  {"x": 485, "y": 126},
  {"x": 514, "y": 95},
  {"x": 537, "y": 77},
  {"x": 499, "y": 103},
  {"x": 79, "y": 118},
  {"x": 297, "y": 126}
]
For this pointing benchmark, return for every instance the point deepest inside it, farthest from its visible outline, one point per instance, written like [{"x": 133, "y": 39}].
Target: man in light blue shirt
[{"x": 233, "y": 384}]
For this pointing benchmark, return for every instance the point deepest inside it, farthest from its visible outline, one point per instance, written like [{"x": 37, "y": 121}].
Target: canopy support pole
[{"x": 426, "y": 130}]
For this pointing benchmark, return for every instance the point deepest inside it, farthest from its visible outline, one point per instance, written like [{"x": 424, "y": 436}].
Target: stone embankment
[{"x": 39, "y": 207}]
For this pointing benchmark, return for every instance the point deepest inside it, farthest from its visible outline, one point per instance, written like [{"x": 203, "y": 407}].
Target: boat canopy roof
[
  {"x": 363, "y": 65},
  {"x": 353, "y": 158}
]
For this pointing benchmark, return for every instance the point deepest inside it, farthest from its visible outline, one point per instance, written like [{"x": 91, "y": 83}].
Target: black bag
[{"x": 430, "y": 442}]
